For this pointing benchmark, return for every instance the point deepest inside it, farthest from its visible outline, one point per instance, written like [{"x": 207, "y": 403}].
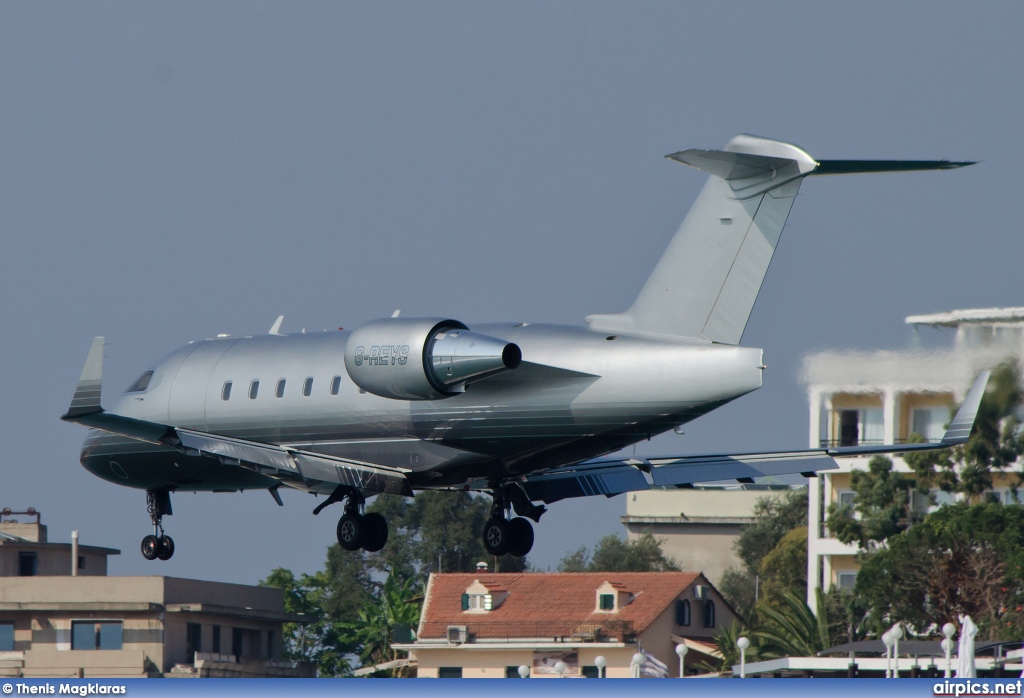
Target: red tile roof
[{"x": 551, "y": 604}]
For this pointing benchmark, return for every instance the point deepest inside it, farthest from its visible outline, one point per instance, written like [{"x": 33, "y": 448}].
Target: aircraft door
[{"x": 188, "y": 394}]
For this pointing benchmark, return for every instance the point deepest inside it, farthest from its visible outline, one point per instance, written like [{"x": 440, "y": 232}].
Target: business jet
[{"x": 525, "y": 412}]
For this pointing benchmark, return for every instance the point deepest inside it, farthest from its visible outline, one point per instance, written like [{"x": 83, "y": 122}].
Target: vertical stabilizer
[{"x": 706, "y": 282}]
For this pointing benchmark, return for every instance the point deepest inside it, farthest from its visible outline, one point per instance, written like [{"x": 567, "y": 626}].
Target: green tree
[
  {"x": 774, "y": 517},
  {"x": 962, "y": 559},
  {"x": 784, "y": 569},
  {"x": 612, "y": 554},
  {"x": 881, "y": 500}
]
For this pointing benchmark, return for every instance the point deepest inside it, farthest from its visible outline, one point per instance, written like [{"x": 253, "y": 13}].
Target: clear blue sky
[{"x": 172, "y": 171}]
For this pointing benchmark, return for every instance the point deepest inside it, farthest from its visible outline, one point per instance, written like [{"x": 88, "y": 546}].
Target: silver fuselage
[{"x": 578, "y": 394}]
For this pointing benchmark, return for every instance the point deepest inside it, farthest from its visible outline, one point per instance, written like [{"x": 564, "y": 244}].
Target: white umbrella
[{"x": 965, "y": 650}]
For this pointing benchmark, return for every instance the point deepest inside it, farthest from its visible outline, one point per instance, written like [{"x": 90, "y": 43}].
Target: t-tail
[{"x": 705, "y": 284}]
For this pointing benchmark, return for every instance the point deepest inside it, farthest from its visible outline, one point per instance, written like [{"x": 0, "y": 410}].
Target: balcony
[{"x": 546, "y": 631}]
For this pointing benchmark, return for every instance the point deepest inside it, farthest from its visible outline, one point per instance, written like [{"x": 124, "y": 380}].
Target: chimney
[
  {"x": 481, "y": 567},
  {"x": 74, "y": 553}
]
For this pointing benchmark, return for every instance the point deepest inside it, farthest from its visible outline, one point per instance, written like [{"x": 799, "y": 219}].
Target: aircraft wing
[
  {"x": 297, "y": 468},
  {"x": 611, "y": 477}
]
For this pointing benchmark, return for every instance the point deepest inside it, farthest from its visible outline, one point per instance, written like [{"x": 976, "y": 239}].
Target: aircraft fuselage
[{"x": 578, "y": 394}]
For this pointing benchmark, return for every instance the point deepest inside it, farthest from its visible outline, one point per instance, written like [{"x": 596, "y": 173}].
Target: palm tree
[
  {"x": 371, "y": 631},
  {"x": 791, "y": 629}
]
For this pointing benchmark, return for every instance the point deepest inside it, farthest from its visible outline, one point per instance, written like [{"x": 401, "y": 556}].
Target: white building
[{"x": 883, "y": 397}]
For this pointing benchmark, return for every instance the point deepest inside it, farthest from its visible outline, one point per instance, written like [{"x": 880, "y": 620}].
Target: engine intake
[{"x": 423, "y": 359}]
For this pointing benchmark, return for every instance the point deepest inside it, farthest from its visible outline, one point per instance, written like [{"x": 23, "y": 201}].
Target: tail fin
[{"x": 705, "y": 284}]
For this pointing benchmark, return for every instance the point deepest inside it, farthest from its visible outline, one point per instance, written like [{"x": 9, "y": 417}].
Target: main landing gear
[
  {"x": 503, "y": 535},
  {"x": 356, "y": 528},
  {"x": 158, "y": 545}
]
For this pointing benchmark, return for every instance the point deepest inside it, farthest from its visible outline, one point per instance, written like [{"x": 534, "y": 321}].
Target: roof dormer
[
  {"x": 480, "y": 598},
  {"x": 612, "y": 597}
]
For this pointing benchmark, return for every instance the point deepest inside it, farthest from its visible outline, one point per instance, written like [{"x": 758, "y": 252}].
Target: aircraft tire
[
  {"x": 165, "y": 547},
  {"x": 376, "y": 532},
  {"x": 150, "y": 547},
  {"x": 522, "y": 537},
  {"x": 351, "y": 531},
  {"x": 497, "y": 536}
]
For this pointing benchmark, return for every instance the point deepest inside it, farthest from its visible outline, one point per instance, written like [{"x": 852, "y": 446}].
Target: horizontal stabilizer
[{"x": 837, "y": 167}]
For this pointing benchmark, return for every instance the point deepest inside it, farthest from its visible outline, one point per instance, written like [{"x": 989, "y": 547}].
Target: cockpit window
[{"x": 141, "y": 383}]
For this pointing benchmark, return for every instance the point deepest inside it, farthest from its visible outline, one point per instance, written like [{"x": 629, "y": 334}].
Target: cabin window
[
  {"x": 307, "y": 387},
  {"x": 683, "y": 612},
  {"x": 254, "y": 389},
  {"x": 335, "y": 385},
  {"x": 280, "y": 388},
  {"x": 225, "y": 392},
  {"x": 141, "y": 383}
]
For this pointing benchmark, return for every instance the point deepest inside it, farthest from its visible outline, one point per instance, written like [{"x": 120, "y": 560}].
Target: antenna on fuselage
[{"x": 276, "y": 329}]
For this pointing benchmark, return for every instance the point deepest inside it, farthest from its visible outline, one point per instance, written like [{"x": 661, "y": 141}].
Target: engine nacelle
[{"x": 423, "y": 358}]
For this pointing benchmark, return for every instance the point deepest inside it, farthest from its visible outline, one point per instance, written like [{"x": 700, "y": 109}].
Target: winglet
[
  {"x": 276, "y": 329},
  {"x": 959, "y": 430},
  {"x": 87, "y": 394}
]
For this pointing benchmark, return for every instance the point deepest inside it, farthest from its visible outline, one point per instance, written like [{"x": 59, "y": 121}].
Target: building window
[
  {"x": 590, "y": 672},
  {"x": 236, "y": 643},
  {"x": 845, "y": 497},
  {"x": 6, "y": 637},
  {"x": 81, "y": 562},
  {"x": 857, "y": 427},
  {"x": 28, "y": 564},
  {"x": 254, "y": 390},
  {"x": 512, "y": 672},
  {"x": 141, "y": 383},
  {"x": 683, "y": 612},
  {"x": 929, "y": 422},
  {"x": 307, "y": 387},
  {"x": 709, "y": 614},
  {"x": 97, "y": 635},
  {"x": 846, "y": 580},
  {"x": 270, "y": 644},
  {"x": 449, "y": 672},
  {"x": 476, "y": 602},
  {"x": 225, "y": 391},
  {"x": 607, "y": 602},
  {"x": 216, "y": 639},
  {"x": 335, "y": 385},
  {"x": 280, "y": 388},
  {"x": 193, "y": 639}
]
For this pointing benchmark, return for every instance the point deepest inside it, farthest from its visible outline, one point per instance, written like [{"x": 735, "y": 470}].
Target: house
[
  {"x": 483, "y": 625},
  {"x": 62, "y": 616},
  {"x": 859, "y": 397}
]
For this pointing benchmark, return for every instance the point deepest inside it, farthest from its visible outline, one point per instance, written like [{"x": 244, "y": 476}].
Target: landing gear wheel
[
  {"x": 165, "y": 547},
  {"x": 351, "y": 531},
  {"x": 150, "y": 547},
  {"x": 376, "y": 532},
  {"x": 497, "y": 536},
  {"x": 522, "y": 537}
]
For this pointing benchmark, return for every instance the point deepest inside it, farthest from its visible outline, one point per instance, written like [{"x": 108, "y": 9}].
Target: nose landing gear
[{"x": 158, "y": 545}]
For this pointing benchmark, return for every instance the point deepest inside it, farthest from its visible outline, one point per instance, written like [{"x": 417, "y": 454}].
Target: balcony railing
[{"x": 553, "y": 631}]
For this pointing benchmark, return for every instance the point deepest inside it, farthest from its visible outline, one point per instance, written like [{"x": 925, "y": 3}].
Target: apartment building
[{"x": 859, "y": 397}]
